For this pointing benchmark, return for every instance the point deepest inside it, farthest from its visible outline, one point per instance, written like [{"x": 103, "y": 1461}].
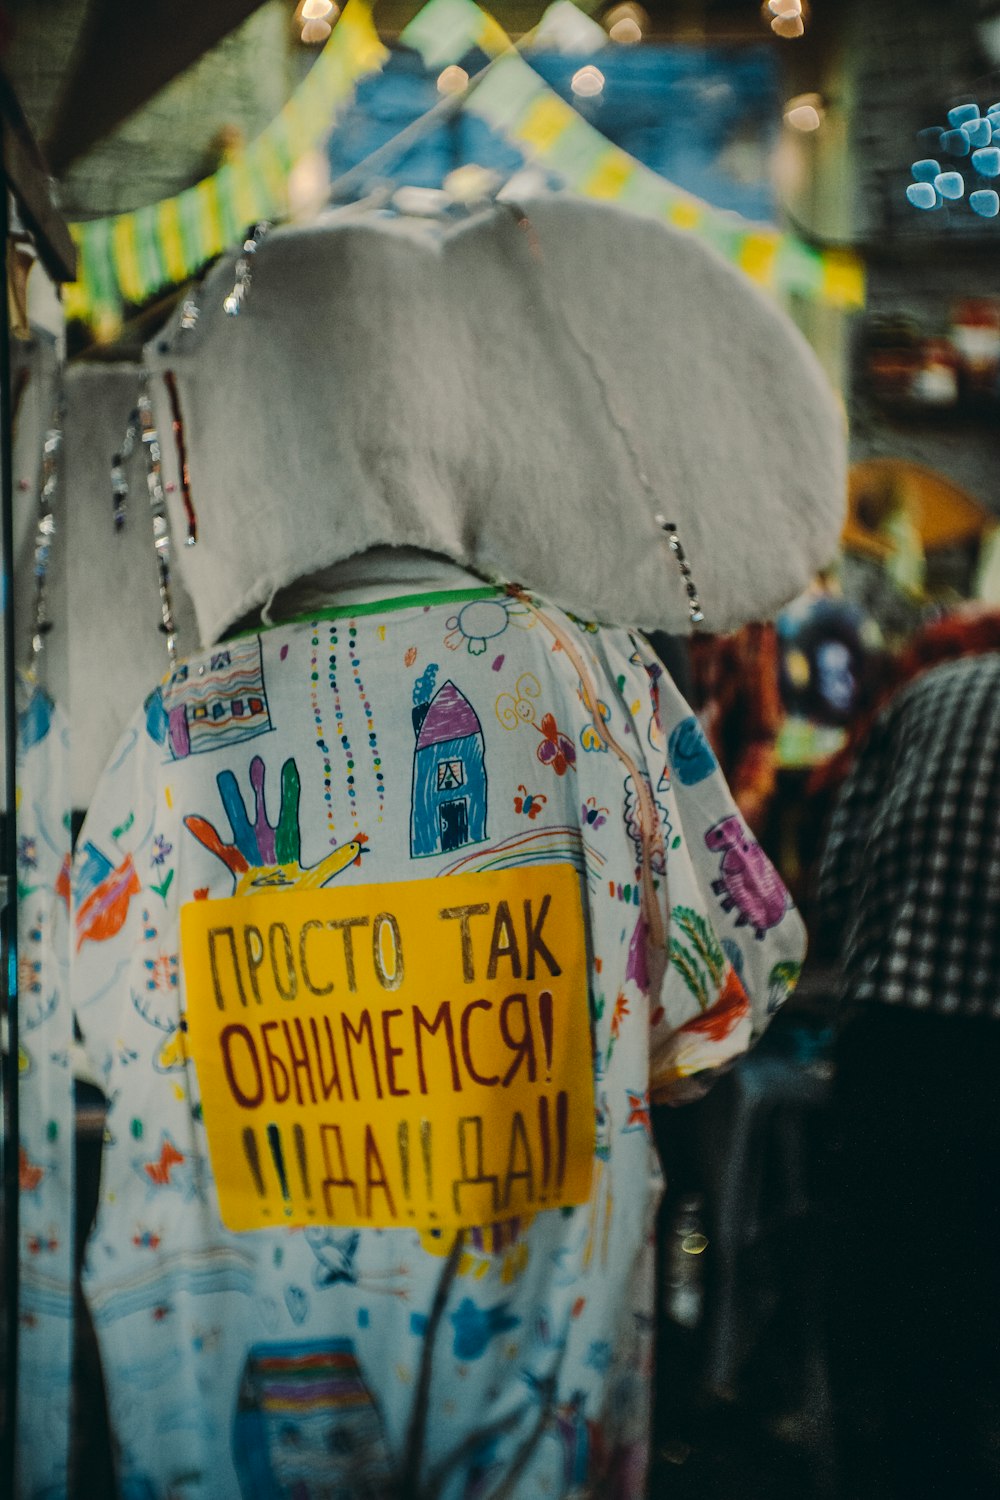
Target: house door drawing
[{"x": 454, "y": 823}]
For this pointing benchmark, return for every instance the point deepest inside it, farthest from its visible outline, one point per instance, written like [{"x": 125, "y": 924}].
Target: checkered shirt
[{"x": 910, "y": 875}]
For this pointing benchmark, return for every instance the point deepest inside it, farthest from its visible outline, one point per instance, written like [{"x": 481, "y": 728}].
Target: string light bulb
[
  {"x": 452, "y": 80},
  {"x": 786, "y": 18},
  {"x": 316, "y": 31},
  {"x": 626, "y": 32},
  {"x": 587, "y": 82},
  {"x": 626, "y": 24},
  {"x": 317, "y": 19},
  {"x": 804, "y": 112}
]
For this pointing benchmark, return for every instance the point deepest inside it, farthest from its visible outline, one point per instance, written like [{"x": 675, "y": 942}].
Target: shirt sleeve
[
  {"x": 115, "y": 881},
  {"x": 734, "y": 942}
]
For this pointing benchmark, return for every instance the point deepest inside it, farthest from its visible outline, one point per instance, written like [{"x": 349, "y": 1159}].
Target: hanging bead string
[
  {"x": 338, "y": 712},
  {"x": 190, "y": 312},
  {"x": 526, "y": 227},
  {"x": 158, "y": 506},
  {"x": 233, "y": 304},
  {"x": 119, "y": 482},
  {"x": 695, "y": 612},
  {"x": 177, "y": 423},
  {"x": 190, "y": 308},
  {"x": 46, "y": 528}
]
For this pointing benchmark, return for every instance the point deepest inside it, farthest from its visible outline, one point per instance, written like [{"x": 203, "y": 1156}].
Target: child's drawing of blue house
[{"x": 449, "y": 775}]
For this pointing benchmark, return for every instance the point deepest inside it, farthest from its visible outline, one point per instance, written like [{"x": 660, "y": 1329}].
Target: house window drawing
[
  {"x": 449, "y": 774},
  {"x": 224, "y": 703}
]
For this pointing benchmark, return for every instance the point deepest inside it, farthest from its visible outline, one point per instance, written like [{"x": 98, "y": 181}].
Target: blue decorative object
[
  {"x": 476, "y": 1326},
  {"x": 987, "y": 161},
  {"x": 922, "y": 195},
  {"x": 955, "y": 142},
  {"x": 35, "y": 720},
  {"x": 694, "y": 114},
  {"x": 690, "y": 754},
  {"x": 931, "y": 185},
  {"x": 950, "y": 184},
  {"x": 157, "y": 722},
  {"x": 734, "y": 953}
]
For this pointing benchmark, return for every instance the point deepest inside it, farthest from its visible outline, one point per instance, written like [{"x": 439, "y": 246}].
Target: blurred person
[
  {"x": 735, "y": 690},
  {"x": 968, "y": 631},
  {"x": 909, "y": 890},
  {"x": 883, "y": 568}
]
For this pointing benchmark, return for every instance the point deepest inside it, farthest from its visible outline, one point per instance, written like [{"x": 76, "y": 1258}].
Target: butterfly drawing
[
  {"x": 38, "y": 1244},
  {"x": 593, "y": 816},
  {"x": 102, "y": 913},
  {"x": 29, "y": 1174},
  {"x": 557, "y": 749},
  {"x": 159, "y": 1171},
  {"x": 529, "y": 803}
]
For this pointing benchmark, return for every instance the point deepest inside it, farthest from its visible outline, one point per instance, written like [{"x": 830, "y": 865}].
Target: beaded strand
[{"x": 695, "y": 612}]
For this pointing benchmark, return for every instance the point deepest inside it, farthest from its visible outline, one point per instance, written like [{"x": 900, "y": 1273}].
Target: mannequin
[{"x": 502, "y": 883}]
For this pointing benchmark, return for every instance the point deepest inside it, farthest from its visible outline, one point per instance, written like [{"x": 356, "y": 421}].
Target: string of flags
[
  {"x": 129, "y": 257},
  {"x": 514, "y": 101}
]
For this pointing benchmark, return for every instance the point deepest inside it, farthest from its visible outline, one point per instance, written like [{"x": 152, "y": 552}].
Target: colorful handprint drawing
[{"x": 265, "y": 856}]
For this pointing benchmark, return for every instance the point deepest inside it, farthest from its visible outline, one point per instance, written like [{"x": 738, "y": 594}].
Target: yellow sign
[{"x": 390, "y": 1055}]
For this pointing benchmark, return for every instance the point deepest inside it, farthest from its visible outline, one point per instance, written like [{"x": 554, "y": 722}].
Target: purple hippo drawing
[{"x": 748, "y": 881}]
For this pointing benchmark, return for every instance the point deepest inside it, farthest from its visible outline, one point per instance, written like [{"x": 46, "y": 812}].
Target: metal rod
[{"x": 11, "y": 1110}]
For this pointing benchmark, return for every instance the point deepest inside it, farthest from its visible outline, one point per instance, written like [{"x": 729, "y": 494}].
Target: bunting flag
[
  {"x": 127, "y": 258},
  {"x": 515, "y": 102}
]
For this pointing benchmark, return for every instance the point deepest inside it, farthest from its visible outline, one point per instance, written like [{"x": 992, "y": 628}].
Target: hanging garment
[
  {"x": 45, "y": 1087},
  {"x": 457, "y": 1326},
  {"x": 110, "y": 593}
]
